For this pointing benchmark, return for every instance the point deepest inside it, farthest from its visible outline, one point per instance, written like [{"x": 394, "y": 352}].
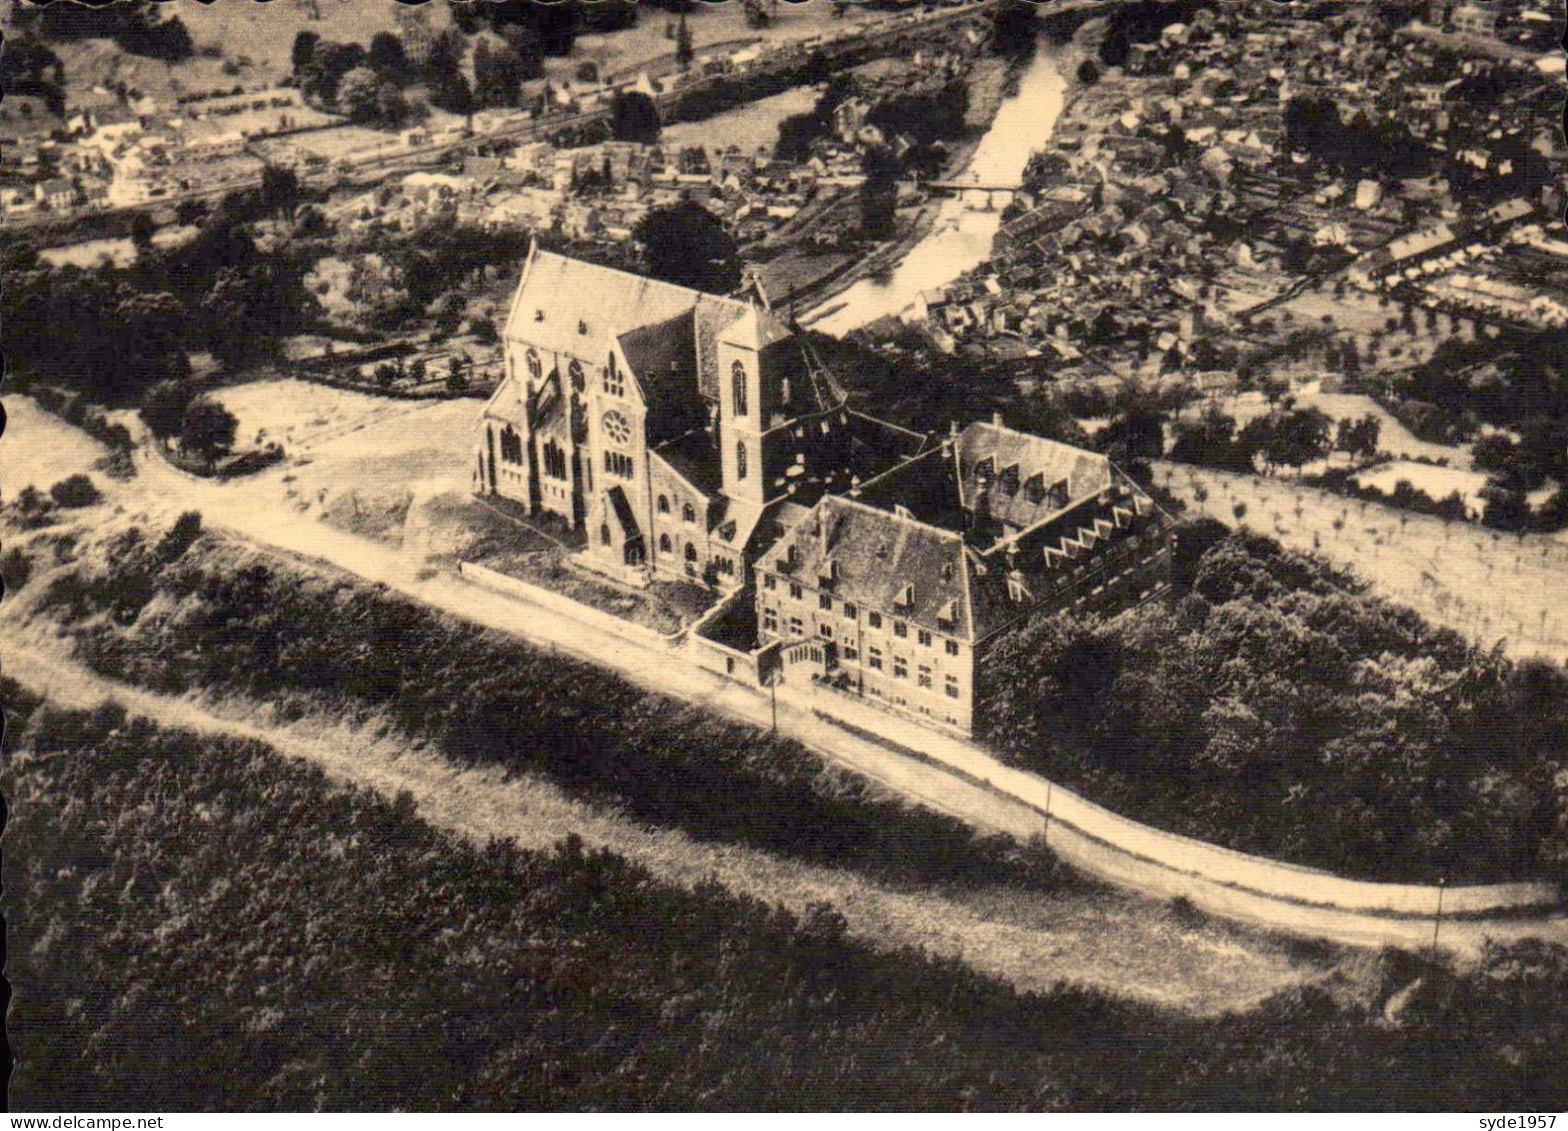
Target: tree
[
  {"x": 163, "y": 408},
  {"x": 689, "y": 246},
  {"x": 1138, "y": 433},
  {"x": 304, "y": 49},
  {"x": 359, "y": 94},
  {"x": 634, "y": 117},
  {"x": 879, "y": 193},
  {"x": 684, "y": 51},
  {"x": 527, "y": 46},
  {"x": 498, "y": 75},
  {"x": 1013, "y": 27},
  {"x": 74, "y": 491},
  {"x": 388, "y": 58},
  {"x": 142, "y": 229},
  {"x": 208, "y": 429},
  {"x": 280, "y": 189},
  {"x": 452, "y": 94},
  {"x": 391, "y": 106}
]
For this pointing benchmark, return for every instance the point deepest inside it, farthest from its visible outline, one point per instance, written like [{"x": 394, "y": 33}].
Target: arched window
[
  {"x": 691, "y": 552},
  {"x": 535, "y": 367},
  {"x": 664, "y": 543},
  {"x": 604, "y": 534},
  {"x": 738, "y": 380},
  {"x": 575, "y": 372},
  {"x": 740, "y": 459},
  {"x": 688, "y": 514},
  {"x": 664, "y": 504}
]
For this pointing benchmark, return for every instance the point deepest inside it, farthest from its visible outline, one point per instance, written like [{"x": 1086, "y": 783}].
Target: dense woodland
[
  {"x": 1277, "y": 708},
  {"x": 211, "y": 926}
]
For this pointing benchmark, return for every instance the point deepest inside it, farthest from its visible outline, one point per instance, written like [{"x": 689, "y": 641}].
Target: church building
[
  {"x": 698, "y": 438},
  {"x": 673, "y": 427}
]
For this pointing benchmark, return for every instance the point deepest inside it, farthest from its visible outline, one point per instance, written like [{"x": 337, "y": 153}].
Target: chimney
[{"x": 996, "y": 419}]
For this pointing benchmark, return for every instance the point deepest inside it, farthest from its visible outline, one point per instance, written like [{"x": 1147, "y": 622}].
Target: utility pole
[
  {"x": 773, "y": 696},
  {"x": 1046, "y": 836},
  {"x": 1437, "y": 923}
]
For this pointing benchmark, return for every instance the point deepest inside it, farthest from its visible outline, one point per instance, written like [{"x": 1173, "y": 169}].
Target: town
[{"x": 934, "y": 554}]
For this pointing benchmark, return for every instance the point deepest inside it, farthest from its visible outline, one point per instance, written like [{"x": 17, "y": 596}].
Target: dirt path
[{"x": 1124, "y": 946}]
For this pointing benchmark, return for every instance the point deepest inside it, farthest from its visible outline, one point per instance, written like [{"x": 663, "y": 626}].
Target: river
[{"x": 964, "y": 228}]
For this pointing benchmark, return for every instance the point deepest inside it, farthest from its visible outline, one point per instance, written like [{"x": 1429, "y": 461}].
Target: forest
[
  {"x": 1273, "y": 706},
  {"x": 210, "y": 926}
]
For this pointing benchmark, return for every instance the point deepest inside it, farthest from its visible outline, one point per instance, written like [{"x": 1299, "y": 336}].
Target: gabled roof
[
  {"x": 1011, "y": 475},
  {"x": 578, "y": 308},
  {"x": 881, "y": 557}
]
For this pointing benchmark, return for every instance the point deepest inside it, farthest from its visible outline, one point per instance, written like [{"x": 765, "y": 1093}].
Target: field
[
  {"x": 1438, "y": 482},
  {"x": 1489, "y": 587},
  {"x": 1393, "y": 437},
  {"x": 748, "y": 127},
  {"x": 39, "y": 449}
]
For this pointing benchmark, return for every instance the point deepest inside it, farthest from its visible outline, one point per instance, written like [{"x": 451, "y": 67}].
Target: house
[
  {"x": 1473, "y": 19},
  {"x": 900, "y": 591}
]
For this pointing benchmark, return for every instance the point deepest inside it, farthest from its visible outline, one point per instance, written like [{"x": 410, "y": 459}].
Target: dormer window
[
  {"x": 829, "y": 574},
  {"x": 947, "y": 616},
  {"x": 1017, "y": 590},
  {"x": 906, "y": 597},
  {"x": 792, "y": 556},
  {"x": 1009, "y": 479},
  {"x": 1034, "y": 489}
]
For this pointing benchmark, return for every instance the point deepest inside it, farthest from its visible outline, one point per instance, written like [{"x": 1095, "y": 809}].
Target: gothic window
[
  {"x": 614, "y": 385},
  {"x": 691, "y": 552},
  {"x": 535, "y": 366},
  {"x": 688, "y": 514},
  {"x": 738, "y": 380},
  {"x": 554, "y": 460},
  {"x": 575, "y": 372},
  {"x": 617, "y": 429},
  {"x": 664, "y": 543},
  {"x": 740, "y": 459},
  {"x": 511, "y": 445},
  {"x": 619, "y": 464},
  {"x": 664, "y": 504}
]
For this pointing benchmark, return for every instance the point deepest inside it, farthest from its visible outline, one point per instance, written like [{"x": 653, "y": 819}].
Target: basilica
[{"x": 698, "y": 438}]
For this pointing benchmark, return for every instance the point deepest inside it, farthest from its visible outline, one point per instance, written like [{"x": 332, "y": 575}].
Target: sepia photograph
[{"x": 784, "y": 555}]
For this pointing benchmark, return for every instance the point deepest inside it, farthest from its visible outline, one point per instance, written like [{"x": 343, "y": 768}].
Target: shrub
[
  {"x": 15, "y": 568},
  {"x": 75, "y": 491}
]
